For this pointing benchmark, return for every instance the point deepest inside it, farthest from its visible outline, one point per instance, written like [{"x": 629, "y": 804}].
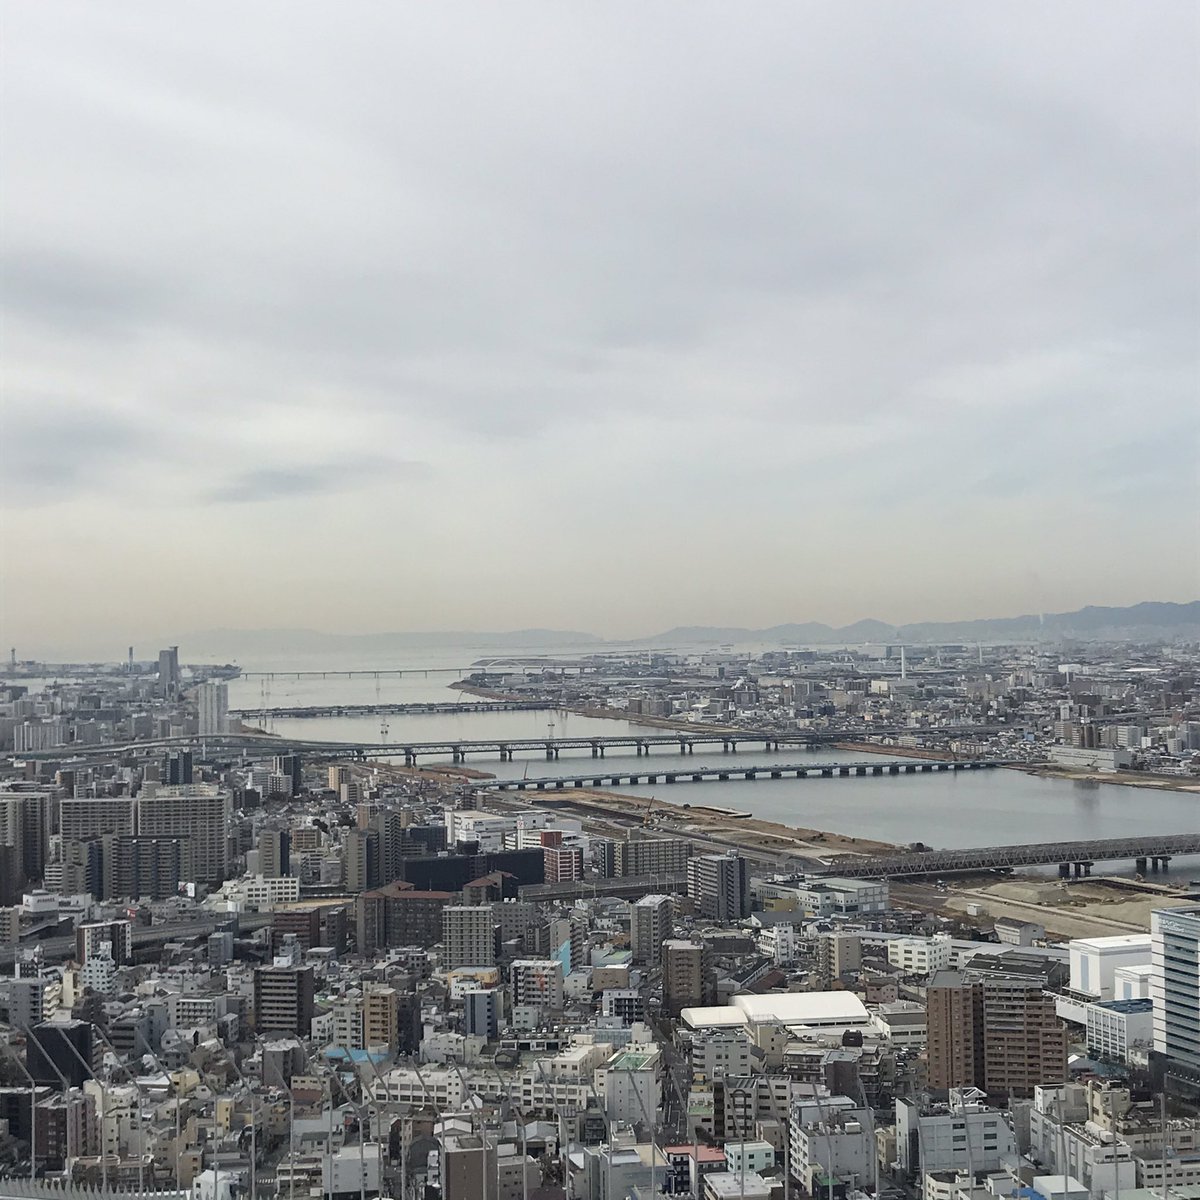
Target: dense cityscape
[
  {"x": 245, "y": 963},
  {"x": 600, "y": 602}
]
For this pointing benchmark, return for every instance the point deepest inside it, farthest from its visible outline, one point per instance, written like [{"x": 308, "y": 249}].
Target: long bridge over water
[
  {"x": 257, "y": 746},
  {"x": 395, "y": 710},
  {"x": 1149, "y": 849},
  {"x": 826, "y": 770}
]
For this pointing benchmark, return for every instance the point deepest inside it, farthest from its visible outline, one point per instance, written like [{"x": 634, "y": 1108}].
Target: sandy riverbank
[{"x": 1162, "y": 783}]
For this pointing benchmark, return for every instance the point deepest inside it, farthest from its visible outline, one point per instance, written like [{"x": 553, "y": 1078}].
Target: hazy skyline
[{"x": 612, "y": 319}]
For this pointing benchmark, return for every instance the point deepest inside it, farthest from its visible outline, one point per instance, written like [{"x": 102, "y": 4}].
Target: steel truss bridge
[
  {"x": 827, "y": 770},
  {"x": 1152, "y": 849}
]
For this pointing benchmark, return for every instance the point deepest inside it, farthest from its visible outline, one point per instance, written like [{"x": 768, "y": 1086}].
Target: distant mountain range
[{"x": 1149, "y": 621}]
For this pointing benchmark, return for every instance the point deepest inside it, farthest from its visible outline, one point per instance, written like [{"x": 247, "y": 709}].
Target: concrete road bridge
[
  {"x": 253, "y": 746},
  {"x": 1150, "y": 850},
  {"x": 394, "y": 710},
  {"x": 817, "y": 770}
]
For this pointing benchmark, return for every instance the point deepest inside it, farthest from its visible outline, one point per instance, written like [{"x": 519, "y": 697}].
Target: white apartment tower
[{"x": 212, "y": 708}]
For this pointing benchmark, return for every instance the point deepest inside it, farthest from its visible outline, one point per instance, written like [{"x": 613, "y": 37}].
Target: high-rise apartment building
[
  {"x": 650, "y": 924},
  {"x": 212, "y": 708},
  {"x": 683, "y": 975},
  {"x": 1175, "y": 984},
  {"x": 381, "y": 1016},
  {"x": 199, "y": 812},
  {"x": 79, "y": 820},
  {"x": 25, "y": 825},
  {"x": 563, "y": 863},
  {"x": 537, "y": 983},
  {"x": 954, "y": 1024},
  {"x": 719, "y": 886},
  {"x": 651, "y": 856},
  {"x": 283, "y": 999},
  {"x": 362, "y": 860},
  {"x": 147, "y": 867},
  {"x": 468, "y": 935},
  {"x": 993, "y": 1031}
]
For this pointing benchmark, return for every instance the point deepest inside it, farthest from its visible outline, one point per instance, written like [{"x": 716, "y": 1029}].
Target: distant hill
[{"x": 1149, "y": 621}]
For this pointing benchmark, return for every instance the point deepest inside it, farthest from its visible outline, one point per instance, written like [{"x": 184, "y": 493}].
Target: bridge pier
[
  {"x": 410, "y": 759},
  {"x": 1139, "y": 865}
]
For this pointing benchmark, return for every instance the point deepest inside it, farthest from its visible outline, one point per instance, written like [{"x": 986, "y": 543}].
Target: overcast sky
[{"x": 593, "y": 316}]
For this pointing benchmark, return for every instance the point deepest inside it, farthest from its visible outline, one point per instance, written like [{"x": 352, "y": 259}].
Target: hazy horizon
[
  {"x": 540, "y": 316},
  {"x": 271, "y": 642}
]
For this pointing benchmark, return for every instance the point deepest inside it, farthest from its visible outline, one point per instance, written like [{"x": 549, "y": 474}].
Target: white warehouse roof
[
  {"x": 814, "y": 1010},
  {"x": 804, "y": 1008}
]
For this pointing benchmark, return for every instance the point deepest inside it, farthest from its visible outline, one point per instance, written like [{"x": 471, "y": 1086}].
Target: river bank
[
  {"x": 1159, "y": 783},
  {"x": 604, "y": 712}
]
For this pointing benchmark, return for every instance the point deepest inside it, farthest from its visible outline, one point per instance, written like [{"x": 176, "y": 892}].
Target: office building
[
  {"x": 468, "y": 936},
  {"x": 1175, "y": 984},
  {"x": 59, "y": 1053},
  {"x": 177, "y": 768},
  {"x": 274, "y": 853},
  {"x": 118, "y": 935},
  {"x": 169, "y": 675},
  {"x": 283, "y": 999},
  {"x": 963, "y": 1135},
  {"x": 719, "y": 887},
  {"x": 199, "y": 812},
  {"x": 289, "y": 766},
  {"x": 650, "y": 924},
  {"x": 481, "y": 1013},
  {"x": 1095, "y": 961}
]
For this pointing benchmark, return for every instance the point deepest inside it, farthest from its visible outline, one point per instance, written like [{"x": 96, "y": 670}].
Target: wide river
[{"x": 944, "y": 810}]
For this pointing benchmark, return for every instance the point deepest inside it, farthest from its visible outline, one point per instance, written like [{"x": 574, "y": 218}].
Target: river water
[{"x": 944, "y": 810}]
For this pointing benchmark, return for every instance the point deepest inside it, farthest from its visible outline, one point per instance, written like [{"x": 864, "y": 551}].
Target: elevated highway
[{"x": 1147, "y": 850}]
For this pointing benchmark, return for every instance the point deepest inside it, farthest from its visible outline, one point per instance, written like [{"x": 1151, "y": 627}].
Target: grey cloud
[
  {"x": 265, "y": 484},
  {"x": 815, "y": 257}
]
